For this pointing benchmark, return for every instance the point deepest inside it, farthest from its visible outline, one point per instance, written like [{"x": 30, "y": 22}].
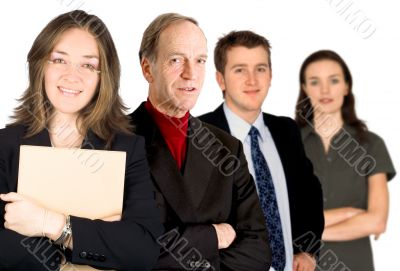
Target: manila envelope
[{"x": 78, "y": 182}]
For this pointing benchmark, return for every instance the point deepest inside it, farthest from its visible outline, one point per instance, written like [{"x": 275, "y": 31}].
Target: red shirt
[{"x": 174, "y": 131}]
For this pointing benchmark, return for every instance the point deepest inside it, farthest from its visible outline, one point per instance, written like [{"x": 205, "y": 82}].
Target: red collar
[{"x": 174, "y": 131}]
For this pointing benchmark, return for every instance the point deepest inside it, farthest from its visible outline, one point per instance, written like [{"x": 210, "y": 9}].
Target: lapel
[
  {"x": 219, "y": 119},
  {"x": 43, "y": 139},
  {"x": 93, "y": 142},
  {"x": 198, "y": 168},
  {"x": 274, "y": 127},
  {"x": 40, "y": 139},
  {"x": 182, "y": 192},
  {"x": 278, "y": 133}
]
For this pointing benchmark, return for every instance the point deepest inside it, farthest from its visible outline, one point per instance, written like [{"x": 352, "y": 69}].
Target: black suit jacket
[
  {"x": 304, "y": 189},
  {"x": 129, "y": 244},
  {"x": 214, "y": 187}
]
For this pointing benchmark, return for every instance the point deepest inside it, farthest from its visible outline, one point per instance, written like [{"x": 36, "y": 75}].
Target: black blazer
[
  {"x": 129, "y": 244},
  {"x": 304, "y": 188},
  {"x": 215, "y": 186}
]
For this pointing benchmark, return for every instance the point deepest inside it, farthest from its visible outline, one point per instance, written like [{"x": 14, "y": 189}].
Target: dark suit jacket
[
  {"x": 127, "y": 244},
  {"x": 304, "y": 189},
  {"x": 214, "y": 187}
]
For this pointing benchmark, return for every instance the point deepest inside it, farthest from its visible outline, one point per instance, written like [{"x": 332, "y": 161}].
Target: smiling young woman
[{"x": 72, "y": 101}]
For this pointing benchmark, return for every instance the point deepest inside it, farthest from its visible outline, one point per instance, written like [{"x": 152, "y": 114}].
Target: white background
[{"x": 364, "y": 33}]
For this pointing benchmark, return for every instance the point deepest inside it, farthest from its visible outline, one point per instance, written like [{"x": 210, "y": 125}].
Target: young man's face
[
  {"x": 177, "y": 75},
  {"x": 246, "y": 79}
]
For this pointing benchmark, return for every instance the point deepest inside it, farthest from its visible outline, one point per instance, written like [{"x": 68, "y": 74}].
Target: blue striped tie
[{"x": 268, "y": 202}]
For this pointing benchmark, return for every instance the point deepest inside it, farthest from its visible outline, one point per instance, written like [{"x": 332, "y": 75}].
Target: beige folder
[{"x": 78, "y": 182}]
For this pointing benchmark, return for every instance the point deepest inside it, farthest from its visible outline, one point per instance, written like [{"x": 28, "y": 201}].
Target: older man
[{"x": 204, "y": 190}]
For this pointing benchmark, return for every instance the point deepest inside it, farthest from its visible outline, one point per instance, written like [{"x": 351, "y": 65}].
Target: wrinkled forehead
[{"x": 184, "y": 38}]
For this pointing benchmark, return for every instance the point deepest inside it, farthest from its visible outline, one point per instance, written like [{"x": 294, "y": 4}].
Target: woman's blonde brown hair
[{"x": 104, "y": 115}]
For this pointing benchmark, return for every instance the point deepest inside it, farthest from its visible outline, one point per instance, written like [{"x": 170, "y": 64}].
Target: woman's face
[
  {"x": 72, "y": 72},
  {"x": 325, "y": 86}
]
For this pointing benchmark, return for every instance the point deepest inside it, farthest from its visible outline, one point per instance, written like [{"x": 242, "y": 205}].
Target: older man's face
[{"x": 178, "y": 72}]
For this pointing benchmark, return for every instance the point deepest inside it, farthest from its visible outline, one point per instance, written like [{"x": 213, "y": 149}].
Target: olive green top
[{"x": 343, "y": 172}]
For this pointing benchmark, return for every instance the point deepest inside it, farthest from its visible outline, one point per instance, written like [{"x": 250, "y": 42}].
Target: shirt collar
[
  {"x": 260, "y": 125},
  {"x": 308, "y": 130},
  {"x": 240, "y": 128},
  {"x": 169, "y": 126}
]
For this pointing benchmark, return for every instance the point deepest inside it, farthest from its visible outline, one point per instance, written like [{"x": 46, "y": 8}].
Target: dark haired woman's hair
[
  {"x": 104, "y": 115},
  {"x": 304, "y": 110}
]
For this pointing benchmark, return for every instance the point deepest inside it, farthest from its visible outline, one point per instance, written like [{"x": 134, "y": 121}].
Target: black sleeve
[
  {"x": 308, "y": 218},
  {"x": 187, "y": 245},
  {"x": 130, "y": 243},
  {"x": 250, "y": 250},
  {"x": 18, "y": 252}
]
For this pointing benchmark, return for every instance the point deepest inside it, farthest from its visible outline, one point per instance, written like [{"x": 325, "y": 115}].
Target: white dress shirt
[{"x": 240, "y": 129}]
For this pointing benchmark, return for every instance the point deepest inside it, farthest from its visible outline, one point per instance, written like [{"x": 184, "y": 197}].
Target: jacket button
[
  {"x": 89, "y": 256},
  {"x": 83, "y": 254},
  {"x": 102, "y": 258}
]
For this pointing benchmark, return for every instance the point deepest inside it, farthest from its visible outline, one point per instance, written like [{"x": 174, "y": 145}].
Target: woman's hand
[
  {"x": 22, "y": 215},
  {"x": 29, "y": 219}
]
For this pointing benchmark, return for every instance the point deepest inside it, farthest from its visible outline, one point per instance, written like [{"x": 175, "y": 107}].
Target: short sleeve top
[{"x": 344, "y": 170}]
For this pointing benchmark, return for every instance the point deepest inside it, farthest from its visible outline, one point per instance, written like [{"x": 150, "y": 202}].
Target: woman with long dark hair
[{"x": 351, "y": 162}]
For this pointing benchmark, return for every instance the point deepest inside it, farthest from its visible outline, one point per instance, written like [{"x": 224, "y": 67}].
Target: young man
[
  {"x": 289, "y": 193},
  {"x": 205, "y": 193}
]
